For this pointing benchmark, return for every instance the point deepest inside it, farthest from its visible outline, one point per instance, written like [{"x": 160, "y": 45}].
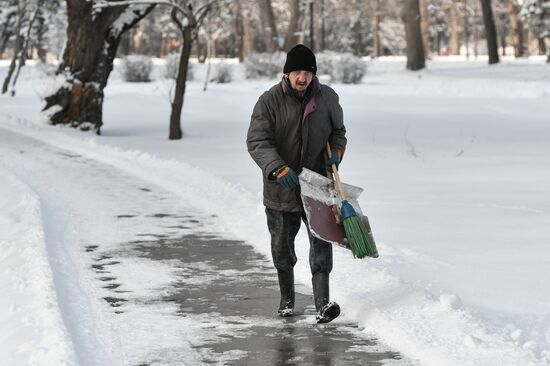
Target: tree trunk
[
  {"x": 177, "y": 104},
  {"x": 39, "y": 43},
  {"x": 542, "y": 46},
  {"x": 248, "y": 38},
  {"x": 476, "y": 30},
  {"x": 210, "y": 53},
  {"x": 490, "y": 31},
  {"x": 377, "y": 16},
  {"x": 517, "y": 28},
  {"x": 466, "y": 30},
  {"x": 138, "y": 41},
  {"x": 92, "y": 41},
  {"x": 425, "y": 27},
  {"x": 322, "y": 36},
  {"x": 18, "y": 45},
  {"x": 7, "y": 31},
  {"x": 503, "y": 41},
  {"x": 270, "y": 28},
  {"x": 125, "y": 45},
  {"x": 189, "y": 29},
  {"x": 311, "y": 27},
  {"x": 23, "y": 51},
  {"x": 413, "y": 35},
  {"x": 455, "y": 39},
  {"x": 290, "y": 39},
  {"x": 239, "y": 31}
]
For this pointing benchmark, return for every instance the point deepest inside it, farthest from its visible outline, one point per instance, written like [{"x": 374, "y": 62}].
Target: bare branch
[
  {"x": 101, "y": 4},
  {"x": 174, "y": 16},
  {"x": 201, "y": 13},
  {"x": 205, "y": 8}
]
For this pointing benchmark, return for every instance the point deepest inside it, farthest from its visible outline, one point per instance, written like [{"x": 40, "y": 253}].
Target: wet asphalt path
[{"x": 241, "y": 286}]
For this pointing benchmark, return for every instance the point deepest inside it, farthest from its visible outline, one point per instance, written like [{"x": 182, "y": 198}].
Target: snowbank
[{"x": 33, "y": 332}]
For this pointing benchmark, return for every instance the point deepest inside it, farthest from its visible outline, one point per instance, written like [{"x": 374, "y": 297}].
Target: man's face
[{"x": 299, "y": 80}]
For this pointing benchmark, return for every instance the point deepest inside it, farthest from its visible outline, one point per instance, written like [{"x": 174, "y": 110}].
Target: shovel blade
[
  {"x": 322, "y": 223},
  {"x": 318, "y": 200}
]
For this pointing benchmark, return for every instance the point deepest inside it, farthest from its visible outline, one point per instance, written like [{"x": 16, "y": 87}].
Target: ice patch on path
[{"x": 33, "y": 332}]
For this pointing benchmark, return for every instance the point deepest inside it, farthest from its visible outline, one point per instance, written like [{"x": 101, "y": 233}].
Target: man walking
[{"x": 289, "y": 130}]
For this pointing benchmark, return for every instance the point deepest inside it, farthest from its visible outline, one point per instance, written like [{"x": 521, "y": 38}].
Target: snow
[
  {"x": 32, "y": 329},
  {"x": 454, "y": 163}
]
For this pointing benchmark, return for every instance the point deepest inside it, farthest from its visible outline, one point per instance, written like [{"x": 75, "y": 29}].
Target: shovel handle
[{"x": 336, "y": 176}]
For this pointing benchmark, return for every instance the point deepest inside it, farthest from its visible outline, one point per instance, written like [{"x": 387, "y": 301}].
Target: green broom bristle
[{"x": 360, "y": 240}]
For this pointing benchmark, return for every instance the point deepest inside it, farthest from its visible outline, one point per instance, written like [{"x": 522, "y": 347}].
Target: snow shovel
[{"x": 318, "y": 198}]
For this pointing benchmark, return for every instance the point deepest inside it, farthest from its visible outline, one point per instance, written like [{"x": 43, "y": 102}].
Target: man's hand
[
  {"x": 334, "y": 159},
  {"x": 286, "y": 177}
]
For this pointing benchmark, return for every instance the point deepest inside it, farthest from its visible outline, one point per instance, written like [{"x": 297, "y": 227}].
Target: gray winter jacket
[{"x": 287, "y": 131}]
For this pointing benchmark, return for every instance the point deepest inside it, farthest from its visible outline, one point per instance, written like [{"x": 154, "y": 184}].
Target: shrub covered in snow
[
  {"x": 223, "y": 73},
  {"x": 342, "y": 67},
  {"x": 136, "y": 68},
  {"x": 172, "y": 62},
  {"x": 259, "y": 65}
]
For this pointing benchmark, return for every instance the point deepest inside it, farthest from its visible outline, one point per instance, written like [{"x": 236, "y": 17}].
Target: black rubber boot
[
  {"x": 326, "y": 310},
  {"x": 286, "y": 285}
]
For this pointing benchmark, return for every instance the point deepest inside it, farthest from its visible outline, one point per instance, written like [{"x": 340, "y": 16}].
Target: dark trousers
[{"x": 283, "y": 227}]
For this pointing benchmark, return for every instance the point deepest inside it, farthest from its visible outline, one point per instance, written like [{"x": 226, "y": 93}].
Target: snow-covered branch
[{"x": 101, "y": 4}]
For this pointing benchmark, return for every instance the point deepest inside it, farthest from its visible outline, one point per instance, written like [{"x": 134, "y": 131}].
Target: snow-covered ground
[{"x": 453, "y": 159}]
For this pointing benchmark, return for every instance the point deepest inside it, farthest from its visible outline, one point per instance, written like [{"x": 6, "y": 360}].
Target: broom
[{"x": 360, "y": 239}]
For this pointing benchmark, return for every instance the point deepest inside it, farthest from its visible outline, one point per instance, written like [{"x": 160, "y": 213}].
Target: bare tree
[
  {"x": 424, "y": 26},
  {"x": 455, "y": 31},
  {"x": 466, "y": 16},
  {"x": 26, "y": 13},
  {"x": 271, "y": 37},
  {"x": 475, "y": 28},
  {"x": 93, "y": 36},
  {"x": 291, "y": 39},
  {"x": 536, "y": 14},
  {"x": 490, "y": 31},
  {"x": 322, "y": 32},
  {"x": 188, "y": 20},
  {"x": 249, "y": 36},
  {"x": 8, "y": 17},
  {"x": 513, "y": 9},
  {"x": 415, "y": 49},
  {"x": 312, "y": 26},
  {"x": 239, "y": 30},
  {"x": 377, "y": 19},
  {"x": 21, "y": 12},
  {"x": 188, "y": 26}
]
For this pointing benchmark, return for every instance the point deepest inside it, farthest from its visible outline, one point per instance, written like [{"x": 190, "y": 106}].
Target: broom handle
[
  {"x": 334, "y": 208},
  {"x": 336, "y": 176}
]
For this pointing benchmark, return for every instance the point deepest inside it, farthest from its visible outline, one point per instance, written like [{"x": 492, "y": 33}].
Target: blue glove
[
  {"x": 287, "y": 177},
  {"x": 334, "y": 159}
]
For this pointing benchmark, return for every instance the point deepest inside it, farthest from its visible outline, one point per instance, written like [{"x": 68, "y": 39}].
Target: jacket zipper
[{"x": 302, "y": 120}]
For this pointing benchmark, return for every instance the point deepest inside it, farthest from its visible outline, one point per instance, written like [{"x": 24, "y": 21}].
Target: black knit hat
[{"x": 300, "y": 58}]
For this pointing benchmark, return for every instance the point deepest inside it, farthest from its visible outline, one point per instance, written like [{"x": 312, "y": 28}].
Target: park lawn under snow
[{"x": 454, "y": 163}]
